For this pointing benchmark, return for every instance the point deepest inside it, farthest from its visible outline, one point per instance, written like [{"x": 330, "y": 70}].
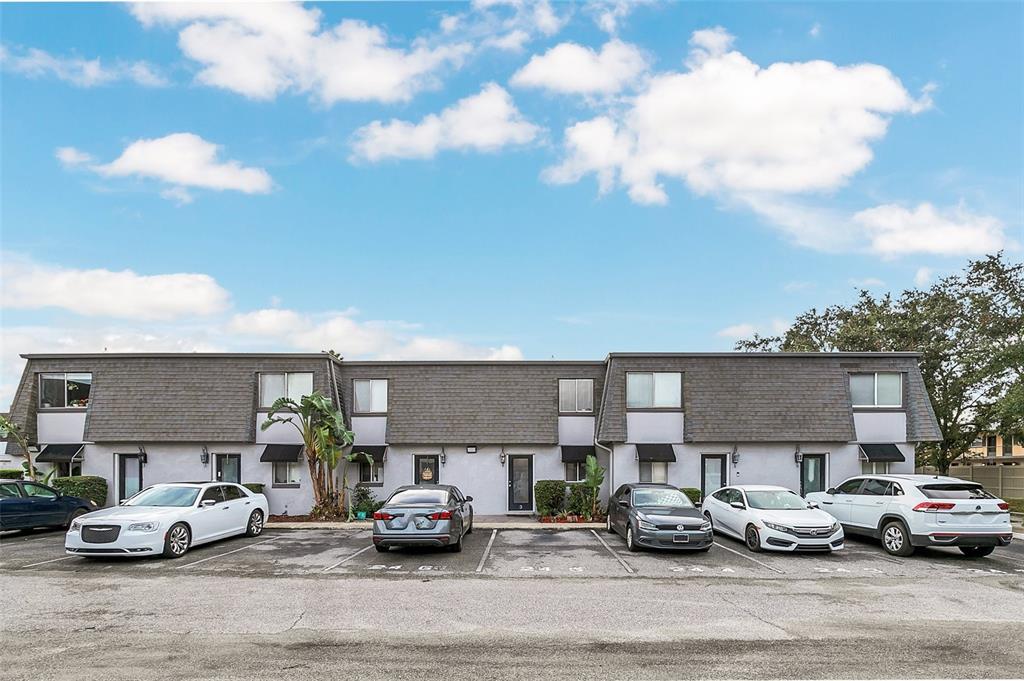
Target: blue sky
[{"x": 491, "y": 180}]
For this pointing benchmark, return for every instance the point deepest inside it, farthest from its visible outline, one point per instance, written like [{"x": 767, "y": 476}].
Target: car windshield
[
  {"x": 955, "y": 491},
  {"x": 420, "y": 496},
  {"x": 165, "y": 496},
  {"x": 661, "y": 497},
  {"x": 775, "y": 500}
]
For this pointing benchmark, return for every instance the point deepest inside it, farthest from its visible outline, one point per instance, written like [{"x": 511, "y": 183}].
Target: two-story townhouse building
[{"x": 806, "y": 421}]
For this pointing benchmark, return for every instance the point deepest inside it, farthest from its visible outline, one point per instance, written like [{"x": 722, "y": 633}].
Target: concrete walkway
[{"x": 481, "y": 522}]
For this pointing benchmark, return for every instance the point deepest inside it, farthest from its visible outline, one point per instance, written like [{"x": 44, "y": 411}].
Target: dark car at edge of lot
[
  {"x": 25, "y": 505},
  {"x": 658, "y": 516}
]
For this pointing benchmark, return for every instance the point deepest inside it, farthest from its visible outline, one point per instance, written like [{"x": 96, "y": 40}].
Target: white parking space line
[
  {"x": 616, "y": 556},
  {"x": 347, "y": 559},
  {"x": 753, "y": 560},
  {"x": 47, "y": 561},
  {"x": 487, "y": 551},
  {"x": 221, "y": 555}
]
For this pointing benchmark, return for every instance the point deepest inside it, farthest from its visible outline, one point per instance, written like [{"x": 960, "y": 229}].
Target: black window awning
[
  {"x": 59, "y": 453},
  {"x": 376, "y": 452},
  {"x": 281, "y": 453},
  {"x": 881, "y": 453},
  {"x": 577, "y": 453},
  {"x": 655, "y": 453}
]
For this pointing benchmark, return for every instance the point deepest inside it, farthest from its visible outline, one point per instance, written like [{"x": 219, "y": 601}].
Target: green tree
[
  {"x": 9, "y": 429},
  {"x": 968, "y": 328},
  {"x": 324, "y": 437},
  {"x": 593, "y": 482}
]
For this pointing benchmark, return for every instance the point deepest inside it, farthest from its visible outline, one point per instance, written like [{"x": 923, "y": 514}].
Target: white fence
[{"x": 1006, "y": 482}]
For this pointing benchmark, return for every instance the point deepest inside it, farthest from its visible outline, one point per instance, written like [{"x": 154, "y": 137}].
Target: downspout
[{"x": 597, "y": 428}]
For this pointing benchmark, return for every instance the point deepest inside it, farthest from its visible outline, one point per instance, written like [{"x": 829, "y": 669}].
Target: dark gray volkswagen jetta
[
  {"x": 423, "y": 515},
  {"x": 658, "y": 516}
]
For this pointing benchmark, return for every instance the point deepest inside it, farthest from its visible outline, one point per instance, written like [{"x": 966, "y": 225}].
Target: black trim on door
[
  {"x": 121, "y": 460},
  {"x": 435, "y": 468},
  {"x": 824, "y": 473},
  {"x": 703, "y": 465},
  {"x": 527, "y": 505}
]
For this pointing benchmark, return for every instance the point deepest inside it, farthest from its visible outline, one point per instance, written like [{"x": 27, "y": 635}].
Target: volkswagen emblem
[
  {"x": 814, "y": 531},
  {"x": 681, "y": 528}
]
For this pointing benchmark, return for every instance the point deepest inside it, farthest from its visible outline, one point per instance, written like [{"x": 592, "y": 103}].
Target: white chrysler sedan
[
  {"x": 773, "y": 518},
  {"x": 167, "y": 519}
]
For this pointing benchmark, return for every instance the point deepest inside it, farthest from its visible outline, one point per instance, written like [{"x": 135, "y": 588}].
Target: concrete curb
[{"x": 363, "y": 525}]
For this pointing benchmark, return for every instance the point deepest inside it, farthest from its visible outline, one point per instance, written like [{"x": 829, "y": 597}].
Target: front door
[
  {"x": 812, "y": 474},
  {"x": 520, "y": 483},
  {"x": 229, "y": 468},
  {"x": 427, "y": 470},
  {"x": 129, "y": 476},
  {"x": 712, "y": 473}
]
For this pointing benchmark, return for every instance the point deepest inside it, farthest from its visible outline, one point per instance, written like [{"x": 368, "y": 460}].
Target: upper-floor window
[
  {"x": 370, "y": 395},
  {"x": 877, "y": 390},
  {"x": 294, "y": 386},
  {"x": 576, "y": 395},
  {"x": 1008, "y": 445},
  {"x": 654, "y": 390},
  {"x": 57, "y": 391}
]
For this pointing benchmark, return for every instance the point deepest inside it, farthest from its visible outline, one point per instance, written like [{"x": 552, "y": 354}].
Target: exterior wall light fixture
[
  {"x": 204, "y": 456},
  {"x": 735, "y": 454},
  {"x": 471, "y": 449},
  {"x": 798, "y": 456}
]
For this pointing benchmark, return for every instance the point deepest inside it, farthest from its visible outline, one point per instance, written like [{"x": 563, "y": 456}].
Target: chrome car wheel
[
  {"x": 177, "y": 541},
  {"x": 893, "y": 538},
  {"x": 630, "y": 542},
  {"x": 255, "y": 527}
]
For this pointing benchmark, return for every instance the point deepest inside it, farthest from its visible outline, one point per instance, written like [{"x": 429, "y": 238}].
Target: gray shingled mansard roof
[
  {"x": 767, "y": 397},
  {"x": 727, "y": 397}
]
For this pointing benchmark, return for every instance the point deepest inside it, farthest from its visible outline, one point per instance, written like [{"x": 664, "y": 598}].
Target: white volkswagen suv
[{"x": 908, "y": 511}]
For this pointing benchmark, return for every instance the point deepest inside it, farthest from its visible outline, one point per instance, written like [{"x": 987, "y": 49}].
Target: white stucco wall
[
  {"x": 279, "y": 433},
  {"x": 886, "y": 426},
  {"x": 576, "y": 430},
  {"x": 654, "y": 427},
  {"x": 370, "y": 430},
  {"x": 65, "y": 427}
]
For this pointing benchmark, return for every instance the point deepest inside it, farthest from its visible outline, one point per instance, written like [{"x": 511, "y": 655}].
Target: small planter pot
[{"x": 361, "y": 515}]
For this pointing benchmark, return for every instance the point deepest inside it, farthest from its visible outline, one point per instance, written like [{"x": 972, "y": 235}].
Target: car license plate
[{"x": 681, "y": 538}]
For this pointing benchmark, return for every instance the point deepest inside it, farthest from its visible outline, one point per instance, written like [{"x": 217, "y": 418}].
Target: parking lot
[{"x": 504, "y": 553}]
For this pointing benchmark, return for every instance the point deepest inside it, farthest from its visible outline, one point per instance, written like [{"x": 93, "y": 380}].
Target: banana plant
[
  {"x": 593, "y": 481},
  {"x": 10, "y": 429}
]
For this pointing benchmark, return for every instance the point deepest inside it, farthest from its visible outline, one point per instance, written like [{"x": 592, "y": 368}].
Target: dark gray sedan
[
  {"x": 658, "y": 516},
  {"x": 423, "y": 515}
]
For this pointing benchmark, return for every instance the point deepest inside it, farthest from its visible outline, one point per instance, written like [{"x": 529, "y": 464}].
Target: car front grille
[
  {"x": 813, "y": 532},
  {"x": 686, "y": 527},
  {"x": 100, "y": 534}
]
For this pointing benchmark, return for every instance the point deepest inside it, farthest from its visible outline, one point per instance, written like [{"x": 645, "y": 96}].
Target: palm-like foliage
[{"x": 9, "y": 429}]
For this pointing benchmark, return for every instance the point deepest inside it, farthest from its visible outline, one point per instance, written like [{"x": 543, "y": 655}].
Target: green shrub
[
  {"x": 580, "y": 499},
  {"x": 86, "y": 486},
  {"x": 550, "y": 496},
  {"x": 691, "y": 492},
  {"x": 11, "y": 473},
  {"x": 363, "y": 500},
  {"x": 256, "y": 487}
]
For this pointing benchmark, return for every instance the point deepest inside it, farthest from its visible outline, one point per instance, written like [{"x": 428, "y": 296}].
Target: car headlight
[
  {"x": 834, "y": 528},
  {"x": 76, "y": 525},
  {"x": 644, "y": 525},
  {"x": 705, "y": 526},
  {"x": 143, "y": 527},
  {"x": 777, "y": 527}
]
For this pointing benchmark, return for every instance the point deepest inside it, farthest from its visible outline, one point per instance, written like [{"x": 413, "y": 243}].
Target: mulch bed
[{"x": 570, "y": 519}]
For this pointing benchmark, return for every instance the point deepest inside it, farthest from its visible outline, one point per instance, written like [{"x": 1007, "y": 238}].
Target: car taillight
[
  {"x": 380, "y": 515},
  {"x": 934, "y": 506},
  {"x": 1003, "y": 506},
  {"x": 441, "y": 515}
]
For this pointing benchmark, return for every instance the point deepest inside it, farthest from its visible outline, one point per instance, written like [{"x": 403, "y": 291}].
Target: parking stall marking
[
  {"x": 44, "y": 562},
  {"x": 753, "y": 560},
  {"x": 226, "y": 553},
  {"x": 616, "y": 556},
  {"x": 347, "y": 558},
  {"x": 487, "y": 551}
]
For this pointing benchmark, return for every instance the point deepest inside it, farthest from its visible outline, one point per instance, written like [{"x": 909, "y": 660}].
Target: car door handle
[{"x": 247, "y": 503}]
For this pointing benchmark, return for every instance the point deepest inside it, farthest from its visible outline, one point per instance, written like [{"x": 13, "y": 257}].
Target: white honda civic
[
  {"x": 774, "y": 518},
  {"x": 168, "y": 519}
]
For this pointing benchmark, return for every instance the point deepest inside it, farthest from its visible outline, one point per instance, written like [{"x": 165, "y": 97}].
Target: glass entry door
[
  {"x": 129, "y": 475},
  {"x": 712, "y": 473},
  {"x": 426, "y": 470},
  {"x": 812, "y": 474},
  {"x": 520, "y": 483},
  {"x": 229, "y": 468}
]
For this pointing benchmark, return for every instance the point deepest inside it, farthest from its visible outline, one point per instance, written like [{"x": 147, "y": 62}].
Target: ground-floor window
[
  {"x": 654, "y": 471},
  {"x": 371, "y": 472},
  {"x": 286, "y": 473},
  {"x": 575, "y": 471},
  {"x": 69, "y": 468},
  {"x": 874, "y": 468}
]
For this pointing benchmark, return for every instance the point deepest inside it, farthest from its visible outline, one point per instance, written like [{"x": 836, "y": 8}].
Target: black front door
[
  {"x": 812, "y": 474},
  {"x": 712, "y": 473},
  {"x": 520, "y": 483},
  {"x": 129, "y": 479},
  {"x": 427, "y": 470},
  {"x": 229, "y": 468}
]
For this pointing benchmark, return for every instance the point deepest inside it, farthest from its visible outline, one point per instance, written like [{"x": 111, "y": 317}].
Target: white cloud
[
  {"x": 506, "y": 25},
  {"x": 894, "y": 230},
  {"x": 353, "y": 338},
  {"x": 727, "y": 126},
  {"x": 867, "y": 283},
  {"x": 744, "y": 330},
  {"x": 775, "y": 327},
  {"x": 30, "y": 285},
  {"x": 815, "y": 30},
  {"x": 922, "y": 276},
  {"x": 797, "y": 286},
  {"x": 69, "y": 157},
  {"x": 181, "y": 160},
  {"x": 486, "y": 121},
  {"x": 261, "y": 50},
  {"x": 576, "y": 69},
  {"x": 609, "y": 14},
  {"x": 36, "y": 63}
]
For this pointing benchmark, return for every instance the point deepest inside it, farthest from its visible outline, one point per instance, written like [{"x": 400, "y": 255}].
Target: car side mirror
[
  {"x": 831, "y": 491},
  {"x": 623, "y": 503},
  {"x": 207, "y": 503},
  {"x": 469, "y": 498},
  {"x": 697, "y": 504},
  {"x": 813, "y": 504},
  {"x": 738, "y": 504}
]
